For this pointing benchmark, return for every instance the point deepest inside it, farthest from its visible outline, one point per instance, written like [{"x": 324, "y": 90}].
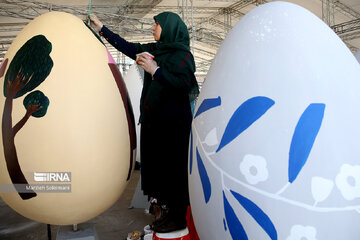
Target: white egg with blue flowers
[{"x": 274, "y": 149}]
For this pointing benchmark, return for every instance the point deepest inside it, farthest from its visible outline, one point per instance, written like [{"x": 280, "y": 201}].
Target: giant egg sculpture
[
  {"x": 274, "y": 145},
  {"x": 68, "y": 141}
]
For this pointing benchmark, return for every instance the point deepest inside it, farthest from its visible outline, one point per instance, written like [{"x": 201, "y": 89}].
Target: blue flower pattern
[{"x": 244, "y": 116}]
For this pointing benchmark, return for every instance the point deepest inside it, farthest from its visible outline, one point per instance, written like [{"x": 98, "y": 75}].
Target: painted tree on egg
[{"x": 29, "y": 68}]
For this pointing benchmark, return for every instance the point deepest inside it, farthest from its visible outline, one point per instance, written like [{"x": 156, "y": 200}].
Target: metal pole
[
  {"x": 328, "y": 12},
  {"x": 322, "y": 10},
  {"x": 124, "y": 63},
  {"x": 192, "y": 27},
  {"x": 182, "y": 9},
  {"x": 178, "y": 6},
  {"x": 75, "y": 227},
  {"x": 187, "y": 13},
  {"x": 49, "y": 231},
  {"x": 333, "y": 12}
]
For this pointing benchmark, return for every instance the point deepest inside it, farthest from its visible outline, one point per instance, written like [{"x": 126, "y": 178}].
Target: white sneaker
[
  {"x": 148, "y": 236},
  {"x": 147, "y": 230}
]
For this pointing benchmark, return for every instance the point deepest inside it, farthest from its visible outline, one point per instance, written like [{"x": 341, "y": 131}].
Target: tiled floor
[{"x": 113, "y": 224}]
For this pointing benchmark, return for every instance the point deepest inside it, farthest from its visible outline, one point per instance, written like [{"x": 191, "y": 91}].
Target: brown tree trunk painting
[{"x": 8, "y": 137}]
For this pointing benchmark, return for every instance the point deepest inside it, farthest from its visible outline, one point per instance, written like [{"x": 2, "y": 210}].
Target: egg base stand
[{"x": 84, "y": 231}]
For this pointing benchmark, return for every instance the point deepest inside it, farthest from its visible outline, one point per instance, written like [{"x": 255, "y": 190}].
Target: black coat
[
  {"x": 164, "y": 144},
  {"x": 165, "y": 120}
]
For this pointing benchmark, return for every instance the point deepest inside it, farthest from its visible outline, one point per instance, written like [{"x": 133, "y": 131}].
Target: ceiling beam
[
  {"x": 345, "y": 10},
  {"x": 204, "y": 52},
  {"x": 350, "y": 36},
  {"x": 346, "y": 26}
]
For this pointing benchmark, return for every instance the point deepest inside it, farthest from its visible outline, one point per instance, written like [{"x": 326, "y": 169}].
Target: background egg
[
  {"x": 85, "y": 130},
  {"x": 357, "y": 56},
  {"x": 274, "y": 149},
  {"x": 134, "y": 83}
]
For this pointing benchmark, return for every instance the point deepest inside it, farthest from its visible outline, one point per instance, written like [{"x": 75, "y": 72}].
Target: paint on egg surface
[
  {"x": 68, "y": 130},
  {"x": 273, "y": 147}
]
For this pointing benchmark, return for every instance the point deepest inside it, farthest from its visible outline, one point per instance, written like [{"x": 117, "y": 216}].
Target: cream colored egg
[{"x": 86, "y": 135}]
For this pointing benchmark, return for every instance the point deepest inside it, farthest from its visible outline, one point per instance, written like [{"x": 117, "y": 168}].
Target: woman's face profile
[{"x": 156, "y": 31}]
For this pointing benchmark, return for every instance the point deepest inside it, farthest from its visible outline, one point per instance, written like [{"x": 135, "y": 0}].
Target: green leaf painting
[{"x": 31, "y": 65}]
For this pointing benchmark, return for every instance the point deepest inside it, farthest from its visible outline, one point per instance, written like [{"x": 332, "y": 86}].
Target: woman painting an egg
[{"x": 165, "y": 113}]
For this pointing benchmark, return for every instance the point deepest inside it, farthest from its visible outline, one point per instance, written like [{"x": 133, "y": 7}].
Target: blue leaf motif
[
  {"x": 304, "y": 137},
  {"x": 236, "y": 229},
  {"x": 248, "y": 112},
  {"x": 208, "y": 104},
  {"x": 260, "y": 217},
  {"x": 191, "y": 152},
  {"x": 205, "y": 181}
]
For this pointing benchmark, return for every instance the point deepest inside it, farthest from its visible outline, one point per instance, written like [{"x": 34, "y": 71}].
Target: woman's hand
[
  {"x": 148, "y": 65},
  {"x": 95, "y": 22}
]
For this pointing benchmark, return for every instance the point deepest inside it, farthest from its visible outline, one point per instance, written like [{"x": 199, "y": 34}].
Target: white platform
[{"x": 86, "y": 231}]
